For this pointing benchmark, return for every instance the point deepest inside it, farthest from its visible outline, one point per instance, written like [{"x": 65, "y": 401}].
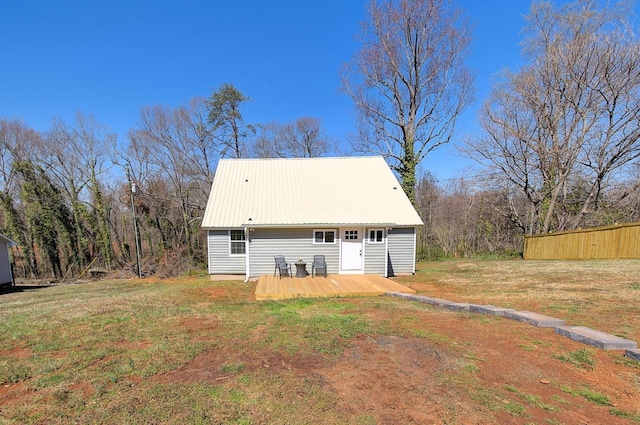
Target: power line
[{"x": 468, "y": 177}]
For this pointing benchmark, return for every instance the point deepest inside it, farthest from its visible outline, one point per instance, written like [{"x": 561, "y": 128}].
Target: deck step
[
  {"x": 535, "y": 319},
  {"x": 596, "y": 338}
]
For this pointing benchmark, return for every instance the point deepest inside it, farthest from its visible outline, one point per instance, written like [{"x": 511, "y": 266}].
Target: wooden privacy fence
[{"x": 617, "y": 241}]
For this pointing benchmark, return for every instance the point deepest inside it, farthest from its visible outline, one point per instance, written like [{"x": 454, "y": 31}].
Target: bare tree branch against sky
[{"x": 111, "y": 59}]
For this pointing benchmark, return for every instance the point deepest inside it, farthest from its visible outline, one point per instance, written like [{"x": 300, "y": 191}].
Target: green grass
[
  {"x": 582, "y": 358},
  {"x": 194, "y": 351},
  {"x": 432, "y": 336},
  {"x": 558, "y": 399},
  {"x": 515, "y": 409},
  {"x": 470, "y": 367},
  {"x": 12, "y": 371},
  {"x": 111, "y": 339},
  {"x": 622, "y": 414},
  {"x": 588, "y": 394},
  {"x": 530, "y": 399},
  {"x": 233, "y": 368}
]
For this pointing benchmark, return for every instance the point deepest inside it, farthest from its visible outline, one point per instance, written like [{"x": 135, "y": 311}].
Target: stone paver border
[
  {"x": 596, "y": 338},
  {"x": 581, "y": 334},
  {"x": 535, "y": 319},
  {"x": 633, "y": 354}
]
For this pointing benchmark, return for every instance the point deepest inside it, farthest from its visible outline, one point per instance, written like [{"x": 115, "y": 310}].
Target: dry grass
[
  {"x": 191, "y": 350},
  {"x": 602, "y": 294}
]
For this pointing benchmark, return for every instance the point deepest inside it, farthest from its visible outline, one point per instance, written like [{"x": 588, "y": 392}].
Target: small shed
[
  {"x": 352, "y": 210},
  {"x": 6, "y": 274}
]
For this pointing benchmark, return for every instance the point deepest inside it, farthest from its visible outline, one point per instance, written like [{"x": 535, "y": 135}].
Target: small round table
[{"x": 301, "y": 269}]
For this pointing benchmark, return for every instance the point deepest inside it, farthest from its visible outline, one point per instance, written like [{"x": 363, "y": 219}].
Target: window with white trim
[
  {"x": 324, "y": 236},
  {"x": 236, "y": 242},
  {"x": 351, "y": 235},
  {"x": 376, "y": 236}
]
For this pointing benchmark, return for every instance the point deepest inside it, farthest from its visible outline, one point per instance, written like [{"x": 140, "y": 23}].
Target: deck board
[{"x": 270, "y": 287}]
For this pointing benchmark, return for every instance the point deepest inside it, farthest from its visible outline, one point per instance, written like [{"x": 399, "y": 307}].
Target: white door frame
[{"x": 351, "y": 247}]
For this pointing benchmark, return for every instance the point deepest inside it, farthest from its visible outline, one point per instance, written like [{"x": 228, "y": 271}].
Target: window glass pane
[
  {"x": 376, "y": 236},
  {"x": 237, "y": 235},
  {"x": 237, "y": 248},
  {"x": 329, "y": 237},
  {"x": 351, "y": 235},
  {"x": 237, "y": 239},
  {"x": 319, "y": 237}
]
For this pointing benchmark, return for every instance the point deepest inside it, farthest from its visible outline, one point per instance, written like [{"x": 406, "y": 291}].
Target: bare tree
[
  {"x": 199, "y": 140},
  {"x": 564, "y": 127},
  {"x": 409, "y": 81},
  {"x": 303, "y": 138},
  {"x": 17, "y": 141},
  {"x": 427, "y": 194},
  {"x": 171, "y": 156},
  {"x": 268, "y": 142},
  {"x": 77, "y": 157}
]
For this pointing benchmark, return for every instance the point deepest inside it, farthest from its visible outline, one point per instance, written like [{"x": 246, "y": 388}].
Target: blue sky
[{"x": 111, "y": 58}]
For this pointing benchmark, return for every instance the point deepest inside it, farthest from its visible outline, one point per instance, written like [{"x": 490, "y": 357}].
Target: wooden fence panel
[
  {"x": 629, "y": 242},
  {"x": 618, "y": 241}
]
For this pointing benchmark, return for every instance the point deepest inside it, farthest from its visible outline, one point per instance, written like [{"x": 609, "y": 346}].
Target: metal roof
[
  {"x": 307, "y": 192},
  {"x": 9, "y": 241}
]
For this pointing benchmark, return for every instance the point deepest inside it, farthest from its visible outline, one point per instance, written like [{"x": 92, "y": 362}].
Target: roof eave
[
  {"x": 8, "y": 240},
  {"x": 311, "y": 225}
]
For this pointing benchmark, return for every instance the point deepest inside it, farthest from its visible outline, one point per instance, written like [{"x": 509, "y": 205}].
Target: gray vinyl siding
[
  {"x": 374, "y": 256},
  {"x": 294, "y": 244},
  {"x": 297, "y": 243},
  {"x": 220, "y": 262},
  {"x": 5, "y": 265},
  {"x": 402, "y": 250}
]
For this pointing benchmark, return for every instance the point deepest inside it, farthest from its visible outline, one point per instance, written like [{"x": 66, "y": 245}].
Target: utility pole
[{"x": 134, "y": 189}]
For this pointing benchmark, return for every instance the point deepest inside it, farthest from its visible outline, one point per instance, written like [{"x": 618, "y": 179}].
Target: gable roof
[{"x": 307, "y": 192}]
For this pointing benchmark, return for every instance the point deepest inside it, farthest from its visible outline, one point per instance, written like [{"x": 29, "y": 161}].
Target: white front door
[{"x": 351, "y": 250}]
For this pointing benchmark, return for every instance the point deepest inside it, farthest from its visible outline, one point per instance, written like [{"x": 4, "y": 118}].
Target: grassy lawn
[
  {"x": 601, "y": 294},
  {"x": 105, "y": 352},
  {"x": 192, "y": 351}
]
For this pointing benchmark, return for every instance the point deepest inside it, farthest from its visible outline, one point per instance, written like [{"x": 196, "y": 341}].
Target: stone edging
[{"x": 581, "y": 334}]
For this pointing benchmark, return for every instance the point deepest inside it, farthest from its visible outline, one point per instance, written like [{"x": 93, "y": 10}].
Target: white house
[
  {"x": 6, "y": 275},
  {"x": 352, "y": 210}
]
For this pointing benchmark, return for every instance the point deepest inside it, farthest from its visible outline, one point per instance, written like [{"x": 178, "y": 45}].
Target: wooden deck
[{"x": 271, "y": 288}]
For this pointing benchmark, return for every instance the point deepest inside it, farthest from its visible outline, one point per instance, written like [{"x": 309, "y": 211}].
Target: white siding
[
  {"x": 294, "y": 244},
  {"x": 5, "y": 265},
  {"x": 402, "y": 250},
  {"x": 220, "y": 262}
]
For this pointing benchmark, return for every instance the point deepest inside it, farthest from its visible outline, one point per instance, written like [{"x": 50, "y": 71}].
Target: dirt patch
[
  {"x": 222, "y": 365},
  {"x": 126, "y": 344},
  {"x": 17, "y": 353},
  {"x": 462, "y": 368},
  {"x": 395, "y": 380},
  {"x": 217, "y": 292},
  {"x": 12, "y": 394}
]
